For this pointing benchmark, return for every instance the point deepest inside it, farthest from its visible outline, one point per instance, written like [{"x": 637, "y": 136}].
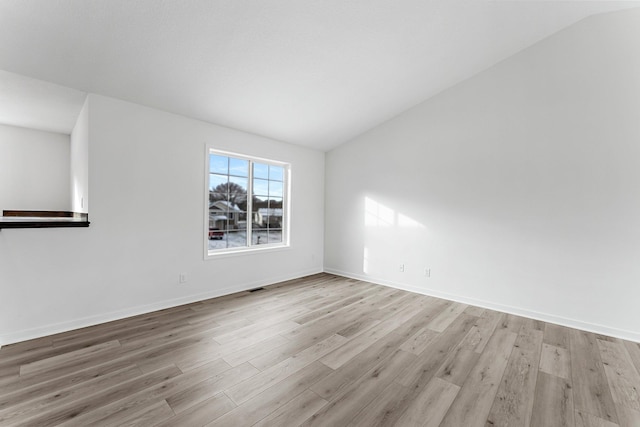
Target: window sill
[{"x": 245, "y": 251}]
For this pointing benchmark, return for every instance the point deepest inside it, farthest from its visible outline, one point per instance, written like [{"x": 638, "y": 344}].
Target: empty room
[{"x": 320, "y": 213}]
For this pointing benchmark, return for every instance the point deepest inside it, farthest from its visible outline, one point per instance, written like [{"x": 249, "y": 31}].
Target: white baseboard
[
  {"x": 518, "y": 311},
  {"x": 28, "y": 334}
]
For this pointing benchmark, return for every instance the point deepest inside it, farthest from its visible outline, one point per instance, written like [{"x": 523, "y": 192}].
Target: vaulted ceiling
[{"x": 314, "y": 73}]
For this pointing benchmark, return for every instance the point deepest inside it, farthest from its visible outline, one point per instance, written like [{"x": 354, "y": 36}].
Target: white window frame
[{"x": 286, "y": 197}]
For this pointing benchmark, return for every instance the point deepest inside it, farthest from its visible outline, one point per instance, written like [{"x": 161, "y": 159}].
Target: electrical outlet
[
  {"x": 427, "y": 272},
  {"x": 183, "y": 277},
  {"x": 401, "y": 268}
]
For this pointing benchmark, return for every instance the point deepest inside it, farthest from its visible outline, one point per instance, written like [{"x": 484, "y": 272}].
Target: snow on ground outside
[{"x": 235, "y": 239}]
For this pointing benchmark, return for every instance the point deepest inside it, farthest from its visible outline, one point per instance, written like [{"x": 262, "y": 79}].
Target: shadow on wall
[{"x": 391, "y": 239}]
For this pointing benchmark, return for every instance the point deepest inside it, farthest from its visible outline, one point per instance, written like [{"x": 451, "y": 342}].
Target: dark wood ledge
[{"x": 43, "y": 219}]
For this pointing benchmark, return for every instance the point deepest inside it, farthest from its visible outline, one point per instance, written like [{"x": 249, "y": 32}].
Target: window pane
[
  {"x": 233, "y": 201},
  {"x": 217, "y": 244},
  {"x": 260, "y": 219},
  {"x": 275, "y": 236},
  {"x": 241, "y": 221},
  {"x": 260, "y": 171},
  {"x": 260, "y": 187},
  {"x": 276, "y": 173},
  {"x": 218, "y": 214},
  {"x": 275, "y": 189},
  {"x": 237, "y": 201},
  {"x": 259, "y": 203},
  {"x": 218, "y": 183},
  {"x": 237, "y": 184},
  {"x": 215, "y": 196},
  {"x": 274, "y": 214},
  {"x": 217, "y": 225},
  {"x": 275, "y": 202},
  {"x": 238, "y": 167},
  {"x": 236, "y": 238},
  {"x": 218, "y": 164},
  {"x": 217, "y": 218},
  {"x": 260, "y": 237},
  {"x": 259, "y": 215}
]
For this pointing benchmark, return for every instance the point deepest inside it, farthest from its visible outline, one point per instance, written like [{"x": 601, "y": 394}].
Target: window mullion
[{"x": 249, "y": 214}]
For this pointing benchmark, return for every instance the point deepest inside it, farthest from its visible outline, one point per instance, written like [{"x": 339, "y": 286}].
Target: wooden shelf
[{"x": 43, "y": 219}]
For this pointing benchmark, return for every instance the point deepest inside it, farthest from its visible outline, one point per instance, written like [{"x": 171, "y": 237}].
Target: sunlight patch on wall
[
  {"x": 385, "y": 228},
  {"x": 379, "y": 215},
  {"x": 365, "y": 260}
]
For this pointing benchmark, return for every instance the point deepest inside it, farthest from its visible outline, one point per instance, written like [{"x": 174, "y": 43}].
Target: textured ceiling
[{"x": 314, "y": 73}]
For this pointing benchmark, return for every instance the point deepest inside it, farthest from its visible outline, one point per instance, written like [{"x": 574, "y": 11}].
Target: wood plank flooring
[{"x": 322, "y": 351}]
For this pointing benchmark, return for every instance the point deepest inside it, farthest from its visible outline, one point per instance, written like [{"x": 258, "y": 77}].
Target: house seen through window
[{"x": 247, "y": 203}]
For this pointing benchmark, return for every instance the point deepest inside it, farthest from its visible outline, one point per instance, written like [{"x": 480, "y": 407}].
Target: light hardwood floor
[{"x": 326, "y": 351}]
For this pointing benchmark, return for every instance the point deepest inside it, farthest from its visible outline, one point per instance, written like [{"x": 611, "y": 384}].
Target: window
[{"x": 246, "y": 203}]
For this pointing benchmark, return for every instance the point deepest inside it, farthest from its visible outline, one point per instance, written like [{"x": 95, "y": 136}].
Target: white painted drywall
[
  {"x": 80, "y": 162},
  {"x": 519, "y": 188},
  {"x": 34, "y": 169},
  {"x": 146, "y": 177}
]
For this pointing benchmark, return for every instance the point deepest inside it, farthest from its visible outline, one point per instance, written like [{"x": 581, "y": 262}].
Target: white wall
[
  {"x": 34, "y": 169},
  {"x": 519, "y": 188},
  {"x": 80, "y": 162},
  {"x": 146, "y": 178}
]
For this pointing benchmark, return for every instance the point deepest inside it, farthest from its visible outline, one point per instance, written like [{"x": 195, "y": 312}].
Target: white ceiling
[
  {"x": 36, "y": 104},
  {"x": 314, "y": 73}
]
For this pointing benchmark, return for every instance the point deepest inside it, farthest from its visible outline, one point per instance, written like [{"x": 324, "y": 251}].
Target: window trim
[{"x": 286, "y": 206}]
